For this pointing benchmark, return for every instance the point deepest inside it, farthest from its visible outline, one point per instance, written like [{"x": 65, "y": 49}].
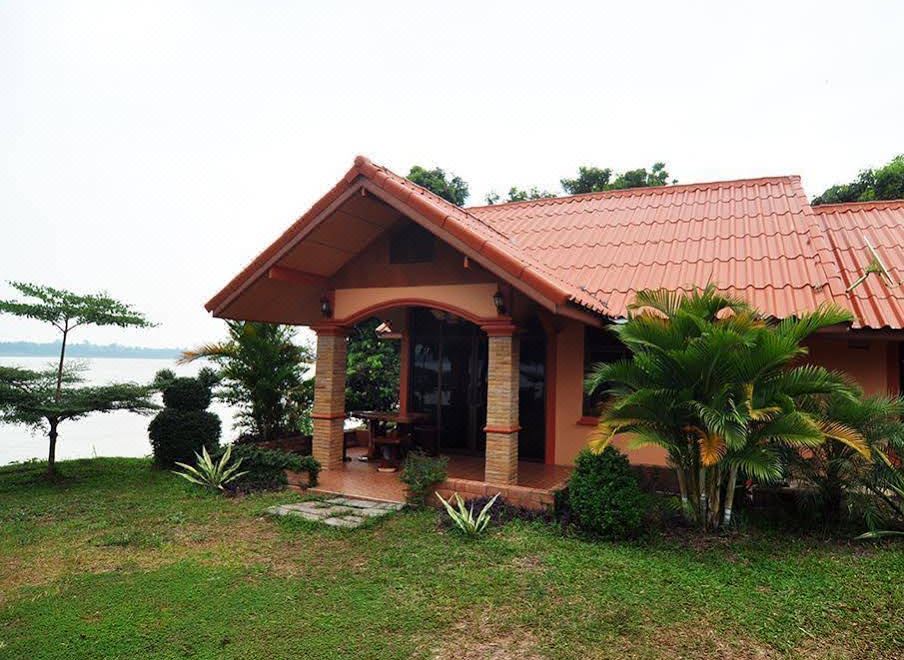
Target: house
[{"x": 500, "y": 310}]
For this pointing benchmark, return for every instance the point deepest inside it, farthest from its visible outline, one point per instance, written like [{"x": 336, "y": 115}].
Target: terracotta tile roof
[
  {"x": 850, "y": 229},
  {"x": 756, "y": 238}
]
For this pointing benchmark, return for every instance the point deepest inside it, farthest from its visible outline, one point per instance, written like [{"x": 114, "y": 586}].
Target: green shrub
[
  {"x": 177, "y": 435},
  {"x": 186, "y": 394},
  {"x": 183, "y": 428},
  {"x": 265, "y": 468},
  {"x": 420, "y": 474},
  {"x": 604, "y": 496}
]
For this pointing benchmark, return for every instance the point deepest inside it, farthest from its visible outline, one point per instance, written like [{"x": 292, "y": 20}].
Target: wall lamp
[
  {"x": 325, "y": 308},
  {"x": 499, "y": 302}
]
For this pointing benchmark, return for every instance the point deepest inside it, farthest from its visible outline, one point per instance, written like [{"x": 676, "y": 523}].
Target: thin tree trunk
[
  {"x": 729, "y": 495},
  {"x": 704, "y": 511},
  {"x": 51, "y": 454},
  {"x": 715, "y": 499},
  {"x": 682, "y": 488},
  {"x": 59, "y": 383}
]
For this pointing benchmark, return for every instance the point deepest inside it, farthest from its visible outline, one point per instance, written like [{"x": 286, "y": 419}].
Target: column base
[
  {"x": 501, "y": 458},
  {"x": 328, "y": 442}
]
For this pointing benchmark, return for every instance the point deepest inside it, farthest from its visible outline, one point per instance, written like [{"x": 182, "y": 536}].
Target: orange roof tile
[
  {"x": 850, "y": 229},
  {"x": 756, "y": 238}
]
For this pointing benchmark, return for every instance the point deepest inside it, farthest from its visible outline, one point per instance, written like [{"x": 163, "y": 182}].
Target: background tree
[
  {"x": 372, "y": 375},
  {"x": 589, "y": 179},
  {"x": 886, "y": 182},
  {"x": 22, "y": 388},
  {"x": 261, "y": 371},
  {"x": 447, "y": 186},
  {"x": 516, "y": 194},
  {"x": 715, "y": 385},
  {"x": 595, "y": 179}
]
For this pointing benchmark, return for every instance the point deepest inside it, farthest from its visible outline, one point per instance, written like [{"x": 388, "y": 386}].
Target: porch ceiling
[{"x": 289, "y": 288}]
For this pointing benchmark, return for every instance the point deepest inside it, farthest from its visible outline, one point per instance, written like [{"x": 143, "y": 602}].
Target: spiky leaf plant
[
  {"x": 209, "y": 473},
  {"x": 463, "y": 516}
]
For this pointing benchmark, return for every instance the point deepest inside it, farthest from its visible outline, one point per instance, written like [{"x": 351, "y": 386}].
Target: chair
[
  {"x": 426, "y": 438},
  {"x": 392, "y": 447}
]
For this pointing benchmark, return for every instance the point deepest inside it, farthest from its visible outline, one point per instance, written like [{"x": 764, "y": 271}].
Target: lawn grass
[{"x": 124, "y": 561}]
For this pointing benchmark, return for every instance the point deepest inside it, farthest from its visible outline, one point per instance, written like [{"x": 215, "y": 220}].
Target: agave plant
[
  {"x": 463, "y": 516},
  {"x": 213, "y": 475}
]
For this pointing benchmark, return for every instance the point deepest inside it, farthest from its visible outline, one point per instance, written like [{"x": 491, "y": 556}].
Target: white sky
[{"x": 153, "y": 149}]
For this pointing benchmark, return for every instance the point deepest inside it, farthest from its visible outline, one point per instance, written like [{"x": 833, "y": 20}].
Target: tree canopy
[
  {"x": 595, "y": 179},
  {"x": 448, "y": 186},
  {"x": 591, "y": 179},
  {"x": 66, "y": 310},
  {"x": 28, "y": 397},
  {"x": 886, "y": 182}
]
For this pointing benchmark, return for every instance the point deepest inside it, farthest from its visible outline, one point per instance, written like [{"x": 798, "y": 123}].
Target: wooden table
[{"x": 378, "y": 420}]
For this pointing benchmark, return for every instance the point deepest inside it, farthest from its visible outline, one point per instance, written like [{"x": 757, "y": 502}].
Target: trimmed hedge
[
  {"x": 186, "y": 394},
  {"x": 604, "y": 496},
  {"x": 177, "y": 435},
  {"x": 266, "y": 467}
]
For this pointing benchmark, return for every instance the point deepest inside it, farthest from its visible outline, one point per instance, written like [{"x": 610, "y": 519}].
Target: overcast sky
[{"x": 153, "y": 149}]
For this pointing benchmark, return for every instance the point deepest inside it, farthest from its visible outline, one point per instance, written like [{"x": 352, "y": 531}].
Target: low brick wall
[{"x": 537, "y": 499}]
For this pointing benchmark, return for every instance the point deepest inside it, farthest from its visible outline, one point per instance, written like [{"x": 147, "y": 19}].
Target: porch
[{"x": 536, "y": 487}]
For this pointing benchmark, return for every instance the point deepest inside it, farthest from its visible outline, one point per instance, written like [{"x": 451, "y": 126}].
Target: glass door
[{"x": 448, "y": 380}]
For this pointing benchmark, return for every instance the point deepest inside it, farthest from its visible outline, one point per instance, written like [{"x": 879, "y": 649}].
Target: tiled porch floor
[{"x": 361, "y": 479}]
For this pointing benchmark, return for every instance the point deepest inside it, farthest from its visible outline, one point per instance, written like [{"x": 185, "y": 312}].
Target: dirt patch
[
  {"x": 483, "y": 640},
  {"x": 528, "y": 564},
  {"x": 693, "y": 639}
]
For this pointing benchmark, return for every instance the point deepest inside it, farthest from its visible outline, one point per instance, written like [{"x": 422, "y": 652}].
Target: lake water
[{"x": 111, "y": 434}]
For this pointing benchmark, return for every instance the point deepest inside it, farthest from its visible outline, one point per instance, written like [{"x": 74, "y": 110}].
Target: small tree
[
  {"x": 45, "y": 398},
  {"x": 261, "y": 370}
]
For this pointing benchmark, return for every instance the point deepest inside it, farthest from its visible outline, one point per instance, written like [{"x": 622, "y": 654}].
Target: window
[
  {"x": 600, "y": 345},
  {"x": 411, "y": 245}
]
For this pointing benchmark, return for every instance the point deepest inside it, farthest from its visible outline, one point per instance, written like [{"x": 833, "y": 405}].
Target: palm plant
[
  {"x": 261, "y": 370},
  {"x": 834, "y": 469},
  {"x": 209, "y": 473},
  {"x": 717, "y": 386}
]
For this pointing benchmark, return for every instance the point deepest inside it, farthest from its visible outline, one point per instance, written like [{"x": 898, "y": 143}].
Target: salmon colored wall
[
  {"x": 571, "y": 430},
  {"x": 872, "y": 363}
]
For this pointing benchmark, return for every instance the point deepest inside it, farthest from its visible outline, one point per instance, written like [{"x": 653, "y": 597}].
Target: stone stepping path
[{"x": 337, "y": 511}]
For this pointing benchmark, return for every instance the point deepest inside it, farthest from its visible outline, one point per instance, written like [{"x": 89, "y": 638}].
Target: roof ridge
[
  {"x": 876, "y": 203},
  {"x": 622, "y": 192}
]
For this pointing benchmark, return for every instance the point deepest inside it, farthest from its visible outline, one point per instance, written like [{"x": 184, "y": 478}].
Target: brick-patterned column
[
  {"x": 502, "y": 405},
  {"x": 329, "y": 396}
]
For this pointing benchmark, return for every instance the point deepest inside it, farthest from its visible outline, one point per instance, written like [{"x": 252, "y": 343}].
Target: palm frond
[{"x": 846, "y": 436}]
